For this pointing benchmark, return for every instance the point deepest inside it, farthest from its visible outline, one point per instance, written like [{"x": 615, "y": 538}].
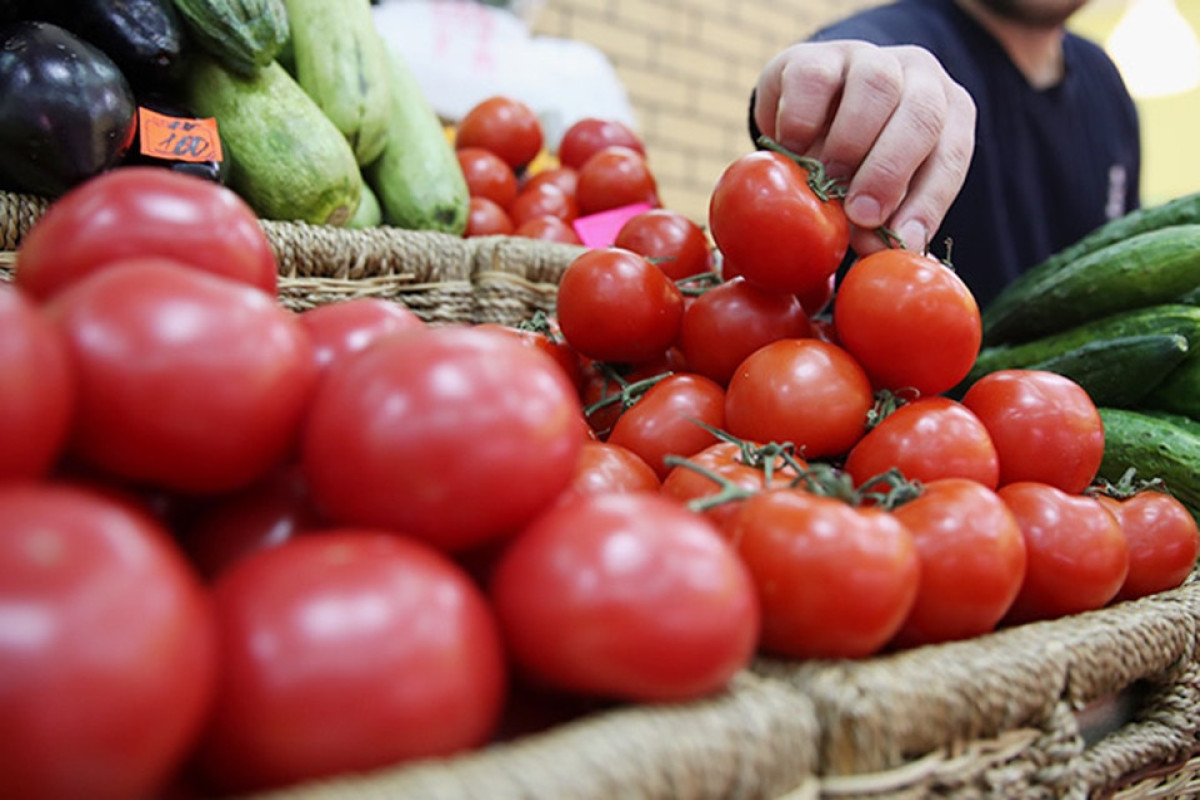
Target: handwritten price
[{"x": 178, "y": 138}]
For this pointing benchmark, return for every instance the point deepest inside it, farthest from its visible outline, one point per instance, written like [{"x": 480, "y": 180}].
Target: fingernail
[
  {"x": 914, "y": 236},
  {"x": 864, "y": 211}
]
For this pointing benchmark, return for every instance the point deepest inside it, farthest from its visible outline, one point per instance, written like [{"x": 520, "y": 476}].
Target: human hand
[{"x": 890, "y": 120}]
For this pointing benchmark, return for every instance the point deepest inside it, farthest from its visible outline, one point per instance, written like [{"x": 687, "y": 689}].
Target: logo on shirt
[{"x": 1115, "y": 206}]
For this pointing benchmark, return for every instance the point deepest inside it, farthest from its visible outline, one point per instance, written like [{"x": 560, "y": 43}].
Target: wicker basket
[{"x": 1099, "y": 705}]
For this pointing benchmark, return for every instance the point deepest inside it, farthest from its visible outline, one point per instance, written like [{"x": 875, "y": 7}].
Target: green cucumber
[
  {"x": 287, "y": 160},
  {"x": 1121, "y": 371},
  {"x": 1179, "y": 391},
  {"x": 1156, "y": 447},
  {"x": 417, "y": 179},
  {"x": 1155, "y": 266}
]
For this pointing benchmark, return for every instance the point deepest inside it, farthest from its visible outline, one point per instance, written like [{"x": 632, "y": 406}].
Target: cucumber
[
  {"x": 243, "y": 35},
  {"x": 287, "y": 160},
  {"x": 417, "y": 178},
  {"x": 1152, "y": 267},
  {"x": 341, "y": 62},
  {"x": 1168, "y": 319},
  {"x": 1179, "y": 391},
  {"x": 1122, "y": 371},
  {"x": 1156, "y": 447}
]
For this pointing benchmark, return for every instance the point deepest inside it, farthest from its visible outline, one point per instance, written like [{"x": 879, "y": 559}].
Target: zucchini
[
  {"x": 341, "y": 62},
  {"x": 1156, "y": 266},
  {"x": 286, "y": 159},
  {"x": 1156, "y": 447},
  {"x": 1122, "y": 371},
  {"x": 417, "y": 178},
  {"x": 242, "y": 35}
]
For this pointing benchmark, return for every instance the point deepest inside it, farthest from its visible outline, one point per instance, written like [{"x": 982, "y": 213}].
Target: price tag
[{"x": 178, "y": 138}]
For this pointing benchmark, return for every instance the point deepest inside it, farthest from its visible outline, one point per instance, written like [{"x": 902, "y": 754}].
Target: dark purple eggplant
[{"x": 67, "y": 112}]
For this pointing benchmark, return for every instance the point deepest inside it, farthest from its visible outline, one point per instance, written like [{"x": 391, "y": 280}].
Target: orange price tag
[{"x": 178, "y": 138}]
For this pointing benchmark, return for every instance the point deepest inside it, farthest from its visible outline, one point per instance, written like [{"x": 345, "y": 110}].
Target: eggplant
[{"x": 67, "y": 112}]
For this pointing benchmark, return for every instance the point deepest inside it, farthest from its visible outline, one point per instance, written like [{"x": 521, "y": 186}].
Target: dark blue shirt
[{"x": 1050, "y": 165}]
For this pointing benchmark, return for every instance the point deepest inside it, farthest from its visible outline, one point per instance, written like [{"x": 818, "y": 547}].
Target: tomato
[
  {"x": 613, "y": 177},
  {"x": 542, "y": 200},
  {"x": 804, "y": 391},
  {"x": 373, "y": 637},
  {"x": 487, "y": 218},
  {"x": 723, "y": 459},
  {"x": 1045, "y": 427},
  {"x": 608, "y": 467},
  {"x": 453, "y": 435},
  {"x": 585, "y": 137},
  {"x": 818, "y": 298},
  {"x": 487, "y": 175},
  {"x": 664, "y": 420},
  {"x": 340, "y": 329},
  {"x": 504, "y": 126},
  {"x": 627, "y": 596},
  {"x": 972, "y": 558},
  {"x": 38, "y": 401},
  {"x": 728, "y": 322},
  {"x": 772, "y": 228},
  {"x": 927, "y": 439},
  {"x": 1163, "y": 541},
  {"x": 614, "y": 305},
  {"x": 187, "y": 381},
  {"x": 909, "y": 320},
  {"x": 673, "y": 242},
  {"x": 1078, "y": 556},
  {"x": 564, "y": 178},
  {"x": 550, "y": 229},
  {"x": 145, "y": 211},
  {"x": 549, "y": 342},
  {"x": 108, "y": 660},
  {"x": 834, "y": 581}
]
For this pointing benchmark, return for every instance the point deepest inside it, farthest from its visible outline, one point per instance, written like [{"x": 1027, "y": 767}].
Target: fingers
[{"x": 798, "y": 91}]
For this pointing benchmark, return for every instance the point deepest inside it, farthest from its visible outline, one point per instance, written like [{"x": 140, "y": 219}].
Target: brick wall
[{"x": 688, "y": 67}]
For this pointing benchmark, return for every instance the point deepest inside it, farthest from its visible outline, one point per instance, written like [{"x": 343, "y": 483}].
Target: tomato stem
[
  {"x": 698, "y": 284},
  {"x": 628, "y": 394},
  {"x": 821, "y": 184}
]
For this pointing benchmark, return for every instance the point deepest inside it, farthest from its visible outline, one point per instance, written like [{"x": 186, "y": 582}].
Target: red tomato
[
  {"x": 807, "y": 392},
  {"x": 723, "y": 459},
  {"x": 927, "y": 439},
  {"x": 38, "y": 401},
  {"x": 487, "y": 175},
  {"x": 564, "y": 178},
  {"x": 1163, "y": 541},
  {"x": 454, "y": 435},
  {"x": 374, "y": 638},
  {"x": 728, "y": 322},
  {"x": 338, "y": 330},
  {"x": 542, "y": 200},
  {"x": 627, "y": 596},
  {"x": 1077, "y": 553},
  {"x": 772, "y": 229},
  {"x": 663, "y": 421},
  {"x": 673, "y": 242},
  {"x": 909, "y": 320},
  {"x": 614, "y": 305},
  {"x": 187, "y": 381},
  {"x": 487, "y": 218},
  {"x": 834, "y": 581},
  {"x": 551, "y": 229},
  {"x": 972, "y": 561},
  {"x": 549, "y": 342},
  {"x": 586, "y": 137},
  {"x": 613, "y": 177},
  {"x": 817, "y": 299},
  {"x": 108, "y": 659},
  {"x": 504, "y": 126},
  {"x": 608, "y": 467},
  {"x": 1045, "y": 427},
  {"x": 145, "y": 211}
]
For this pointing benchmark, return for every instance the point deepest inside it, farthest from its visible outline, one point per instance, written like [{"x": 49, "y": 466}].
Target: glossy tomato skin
[
  {"x": 772, "y": 229},
  {"x": 972, "y": 558},
  {"x": 487, "y": 175},
  {"x": 614, "y": 305},
  {"x": 804, "y": 391},
  {"x": 38, "y": 401},
  {"x": 585, "y": 137},
  {"x": 1045, "y": 427},
  {"x": 563, "y": 177},
  {"x": 548, "y": 228},
  {"x": 684, "y": 484},
  {"x": 607, "y": 467},
  {"x": 1163, "y": 541},
  {"x": 673, "y": 242},
  {"x": 504, "y": 126},
  {"x": 927, "y": 439},
  {"x": 145, "y": 211},
  {"x": 615, "y": 176},
  {"x": 338, "y": 330},
  {"x": 453, "y": 435},
  {"x": 542, "y": 200},
  {"x": 663, "y": 422},
  {"x": 834, "y": 581},
  {"x": 374, "y": 636},
  {"x": 487, "y": 218},
  {"x": 1078, "y": 556},
  {"x": 207, "y": 388},
  {"x": 109, "y": 666},
  {"x": 909, "y": 320},
  {"x": 728, "y": 322},
  {"x": 627, "y": 596}
]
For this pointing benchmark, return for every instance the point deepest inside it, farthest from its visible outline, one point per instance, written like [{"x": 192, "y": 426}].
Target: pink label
[{"x": 601, "y": 229}]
